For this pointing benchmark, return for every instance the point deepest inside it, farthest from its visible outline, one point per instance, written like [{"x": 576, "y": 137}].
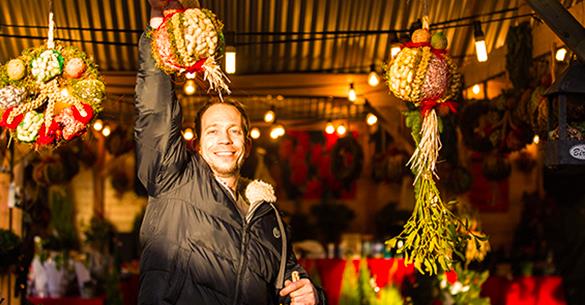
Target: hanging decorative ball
[
  {"x": 439, "y": 41},
  {"x": 15, "y": 69},
  {"x": 422, "y": 72},
  {"x": 55, "y": 101},
  {"x": 90, "y": 90},
  {"x": 48, "y": 65},
  {"x": 421, "y": 35},
  {"x": 10, "y": 96},
  {"x": 28, "y": 129},
  {"x": 189, "y": 41},
  {"x": 74, "y": 68}
]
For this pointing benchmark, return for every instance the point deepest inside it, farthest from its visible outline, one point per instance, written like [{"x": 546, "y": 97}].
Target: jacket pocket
[{"x": 177, "y": 275}]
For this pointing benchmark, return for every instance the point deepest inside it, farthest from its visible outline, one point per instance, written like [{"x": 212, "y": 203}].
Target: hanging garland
[
  {"x": 190, "y": 40},
  {"x": 423, "y": 74},
  {"x": 50, "y": 94}
]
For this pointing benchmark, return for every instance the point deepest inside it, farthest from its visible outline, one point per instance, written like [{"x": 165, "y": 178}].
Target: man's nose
[{"x": 224, "y": 137}]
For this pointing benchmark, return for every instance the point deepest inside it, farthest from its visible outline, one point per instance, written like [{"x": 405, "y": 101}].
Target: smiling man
[{"x": 208, "y": 235}]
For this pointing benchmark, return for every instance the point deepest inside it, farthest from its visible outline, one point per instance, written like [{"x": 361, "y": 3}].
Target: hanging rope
[{"x": 50, "y": 41}]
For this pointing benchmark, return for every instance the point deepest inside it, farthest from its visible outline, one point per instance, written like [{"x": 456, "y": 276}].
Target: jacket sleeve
[
  {"x": 293, "y": 265},
  {"x": 161, "y": 154}
]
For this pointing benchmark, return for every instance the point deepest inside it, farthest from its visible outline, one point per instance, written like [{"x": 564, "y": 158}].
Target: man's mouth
[{"x": 224, "y": 153}]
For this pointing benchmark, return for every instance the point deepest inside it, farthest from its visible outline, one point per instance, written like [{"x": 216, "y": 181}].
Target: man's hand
[
  {"x": 159, "y": 8},
  {"x": 301, "y": 292}
]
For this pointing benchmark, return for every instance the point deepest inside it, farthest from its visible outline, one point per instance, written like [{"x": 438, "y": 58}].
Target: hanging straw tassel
[
  {"x": 50, "y": 40},
  {"x": 215, "y": 76},
  {"x": 424, "y": 158}
]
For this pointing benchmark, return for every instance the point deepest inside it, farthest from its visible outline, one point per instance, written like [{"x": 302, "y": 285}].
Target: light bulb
[
  {"x": 230, "y": 60},
  {"x": 98, "y": 125},
  {"x": 341, "y": 130},
  {"x": 536, "y": 139},
  {"x": 351, "y": 95},
  {"x": 274, "y": 133},
  {"x": 188, "y": 134},
  {"x": 476, "y": 89},
  {"x": 481, "y": 50},
  {"x": 329, "y": 128},
  {"x": 269, "y": 116},
  {"x": 280, "y": 130},
  {"x": 373, "y": 78},
  {"x": 560, "y": 55},
  {"x": 371, "y": 119},
  {"x": 106, "y": 131},
  {"x": 190, "y": 75},
  {"x": 255, "y": 133},
  {"x": 189, "y": 87}
]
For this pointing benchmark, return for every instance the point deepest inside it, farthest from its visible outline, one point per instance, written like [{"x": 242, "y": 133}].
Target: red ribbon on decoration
[
  {"x": 428, "y": 105},
  {"x": 48, "y": 136},
  {"x": 15, "y": 121},
  {"x": 440, "y": 53},
  {"x": 81, "y": 118}
]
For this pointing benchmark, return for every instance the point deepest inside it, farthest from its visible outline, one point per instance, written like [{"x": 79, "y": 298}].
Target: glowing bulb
[
  {"x": 373, "y": 78},
  {"x": 394, "y": 51},
  {"x": 255, "y": 133},
  {"x": 329, "y": 128},
  {"x": 476, "y": 89},
  {"x": 560, "y": 55},
  {"x": 189, "y": 87},
  {"x": 536, "y": 139},
  {"x": 190, "y": 75},
  {"x": 371, "y": 119},
  {"x": 280, "y": 130},
  {"x": 98, "y": 125},
  {"x": 481, "y": 50},
  {"x": 188, "y": 134},
  {"x": 351, "y": 95},
  {"x": 274, "y": 133},
  {"x": 65, "y": 93},
  {"x": 399, "y": 244},
  {"x": 106, "y": 131},
  {"x": 341, "y": 130},
  {"x": 269, "y": 116},
  {"x": 230, "y": 60}
]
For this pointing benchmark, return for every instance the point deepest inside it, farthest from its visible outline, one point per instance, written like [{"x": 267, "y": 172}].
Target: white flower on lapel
[{"x": 258, "y": 191}]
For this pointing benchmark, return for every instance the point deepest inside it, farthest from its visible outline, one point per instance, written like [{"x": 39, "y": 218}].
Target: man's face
[{"x": 223, "y": 143}]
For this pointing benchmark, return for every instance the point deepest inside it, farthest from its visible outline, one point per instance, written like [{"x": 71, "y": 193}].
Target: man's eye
[
  {"x": 212, "y": 131},
  {"x": 236, "y": 131}
]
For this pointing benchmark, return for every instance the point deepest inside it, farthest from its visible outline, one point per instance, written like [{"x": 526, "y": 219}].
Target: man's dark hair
[{"x": 239, "y": 106}]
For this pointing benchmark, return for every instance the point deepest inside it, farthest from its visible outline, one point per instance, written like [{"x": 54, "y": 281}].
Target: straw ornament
[
  {"x": 55, "y": 99},
  {"x": 190, "y": 40}
]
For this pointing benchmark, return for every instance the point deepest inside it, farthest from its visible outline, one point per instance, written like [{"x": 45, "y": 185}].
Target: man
[{"x": 208, "y": 236}]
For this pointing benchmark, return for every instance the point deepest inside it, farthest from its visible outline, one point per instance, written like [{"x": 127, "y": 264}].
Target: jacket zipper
[{"x": 242, "y": 248}]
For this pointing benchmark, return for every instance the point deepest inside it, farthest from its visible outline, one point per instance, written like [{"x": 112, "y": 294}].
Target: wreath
[{"x": 347, "y": 159}]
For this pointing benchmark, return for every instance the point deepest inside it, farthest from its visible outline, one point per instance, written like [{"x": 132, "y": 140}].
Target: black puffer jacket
[{"x": 197, "y": 248}]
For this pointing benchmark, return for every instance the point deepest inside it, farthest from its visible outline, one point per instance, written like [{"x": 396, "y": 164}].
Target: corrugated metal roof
[{"x": 109, "y": 30}]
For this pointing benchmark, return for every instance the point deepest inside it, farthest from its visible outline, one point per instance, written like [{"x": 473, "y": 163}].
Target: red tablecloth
[{"x": 66, "y": 301}]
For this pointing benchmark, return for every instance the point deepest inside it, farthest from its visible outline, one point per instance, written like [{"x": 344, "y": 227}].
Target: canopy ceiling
[{"x": 276, "y": 40}]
